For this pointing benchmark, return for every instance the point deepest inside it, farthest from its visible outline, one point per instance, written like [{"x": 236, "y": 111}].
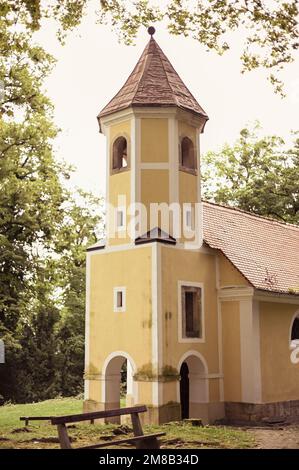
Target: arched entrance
[
  {"x": 194, "y": 386},
  {"x": 118, "y": 385},
  {"x": 184, "y": 390}
]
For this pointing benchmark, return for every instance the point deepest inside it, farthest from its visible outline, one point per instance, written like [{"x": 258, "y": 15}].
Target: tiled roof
[
  {"x": 153, "y": 82},
  {"x": 266, "y": 252}
]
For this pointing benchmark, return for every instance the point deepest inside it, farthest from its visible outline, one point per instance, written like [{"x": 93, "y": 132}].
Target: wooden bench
[
  {"x": 40, "y": 418},
  {"x": 34, "y": 418},
  {"x": 140, "y": 440}
]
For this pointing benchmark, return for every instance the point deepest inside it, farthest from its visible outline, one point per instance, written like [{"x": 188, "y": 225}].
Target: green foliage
[
  {"x": 270, "y": 29},
  {"x": 43, "y": 435},
  {"x": 257, "y": 174},
  {"x": 44, "y": 228}
]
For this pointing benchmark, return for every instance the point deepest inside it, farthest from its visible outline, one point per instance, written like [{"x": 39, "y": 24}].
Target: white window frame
[
  {"x": 115, "y": 292},
  {"x": 120, "y": 228},
  {"x": 182, "y": 339},
  {"x": 293, "y": 342}
]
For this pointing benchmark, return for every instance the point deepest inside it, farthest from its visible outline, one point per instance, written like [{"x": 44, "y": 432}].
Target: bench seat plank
[
  {"x": 35, "y": 418},
  {"x": 97, "y": 415}
]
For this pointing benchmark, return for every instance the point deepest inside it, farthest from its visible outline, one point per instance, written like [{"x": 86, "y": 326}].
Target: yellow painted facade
[
  {"x": 154, "y": 140},
  {"x": 280, "y": 378},
  {"x": 132, "y": 269},
  {"x": 119, "y": 184},
  {"x": 134, "y": 298},
  {"x": 150, "y": 179},
  {"x": 230, "y": 313},
  {"x": 229, "y": 275}
]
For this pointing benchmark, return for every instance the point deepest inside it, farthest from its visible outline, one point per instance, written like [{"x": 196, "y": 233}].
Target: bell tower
[
  {"x": 153, "y": 128},
  {"x": 145, "y": 294}
]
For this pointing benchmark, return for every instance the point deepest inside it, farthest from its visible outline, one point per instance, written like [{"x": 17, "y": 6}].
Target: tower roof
[{"x": 153, "y": 82}]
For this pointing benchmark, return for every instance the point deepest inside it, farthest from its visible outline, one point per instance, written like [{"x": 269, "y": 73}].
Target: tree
[
  {"x": 82, "y": 219},
  {"x": 37, "y": 212},
  {"x": 270, "y": 28},
  {"x": 257, "y": 174}
]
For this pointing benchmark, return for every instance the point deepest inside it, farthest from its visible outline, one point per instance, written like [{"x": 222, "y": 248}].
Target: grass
[{"x": 38, "y": 435}]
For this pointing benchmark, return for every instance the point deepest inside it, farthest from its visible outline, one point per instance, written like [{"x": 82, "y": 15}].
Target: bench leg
[
  {"x": 63, "y": 437},
  {"x": 137, "y": 428}
]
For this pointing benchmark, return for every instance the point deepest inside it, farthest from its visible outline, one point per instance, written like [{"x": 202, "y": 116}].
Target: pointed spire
[{"x": 153, "y": 82}]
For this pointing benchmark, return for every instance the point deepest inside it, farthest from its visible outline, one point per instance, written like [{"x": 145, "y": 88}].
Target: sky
[{"x": 92, "y": 66}]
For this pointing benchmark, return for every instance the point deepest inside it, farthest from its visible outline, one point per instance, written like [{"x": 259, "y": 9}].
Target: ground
[
  {"x": 13, "y": 433},
  {"x": 286, "y": 437}
]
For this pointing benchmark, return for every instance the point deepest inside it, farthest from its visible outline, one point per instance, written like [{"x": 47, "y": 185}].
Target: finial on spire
[{"x": 151, "y": 30}]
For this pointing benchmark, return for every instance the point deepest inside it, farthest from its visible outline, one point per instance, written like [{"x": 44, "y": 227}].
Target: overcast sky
[{"x": 92, "y": 67}]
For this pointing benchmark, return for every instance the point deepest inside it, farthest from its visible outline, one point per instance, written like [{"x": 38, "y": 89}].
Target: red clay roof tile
[
  {"x": 265, "y": 251},
  {"x": 153, "y": 82}
]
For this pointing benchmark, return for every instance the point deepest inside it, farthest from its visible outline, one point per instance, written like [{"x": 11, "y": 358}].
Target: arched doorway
[
  {"x": 194, "y": 387},
  {"x": 184, "y": 390},
  {"x": 118, "y": 385}
]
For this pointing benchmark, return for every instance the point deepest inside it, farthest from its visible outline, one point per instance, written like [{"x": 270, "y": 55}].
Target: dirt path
[{"x": 284, "y": 437}]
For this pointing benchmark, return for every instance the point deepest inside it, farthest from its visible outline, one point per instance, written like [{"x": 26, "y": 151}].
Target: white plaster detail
[
  {"x": 250, "y": 352},
  {"x": 198, "y": 377},
  {"x": 155, "y": 166},
  {"x": 113, "y": 376},
  {"x": 219, "y": 330},
  {"x": 173, "y": 158},
  {"x": 156, "y": 322},
  {"x": 108, "y": 215},
  {"x": 122, "y": 291},
  {"x": 296, "y": 315},
  {"x": 87, "y": 324}
]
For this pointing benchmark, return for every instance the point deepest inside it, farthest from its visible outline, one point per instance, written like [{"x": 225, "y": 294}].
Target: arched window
[
  {"x": 295, "y": 329},
  {"x": 120, "y": 154},
  {"x": 188, "y": 160}
]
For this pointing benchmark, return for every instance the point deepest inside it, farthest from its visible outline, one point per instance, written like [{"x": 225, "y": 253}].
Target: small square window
[{"x": 119, "y": 300}]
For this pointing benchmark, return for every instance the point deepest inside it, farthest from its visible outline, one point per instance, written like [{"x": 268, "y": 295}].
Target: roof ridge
[
  {"x": 176, "y": 100},
  {"x": 160, "y": 52},
  {"x": 251, "y": 214},
  {"x": 146, "y": 55}
]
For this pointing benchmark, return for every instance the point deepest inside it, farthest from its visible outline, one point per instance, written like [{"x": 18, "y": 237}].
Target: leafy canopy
[
  {"x": 257, "y": 174},
  {"x": 44, "y": 228},
  {"x": 270, "y": 27}
]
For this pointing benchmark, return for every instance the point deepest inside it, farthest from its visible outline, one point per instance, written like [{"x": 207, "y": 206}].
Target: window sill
[
  {"x": 192, "y": 340},
  {"x": 115, "y": 171},
  {"x": 191, "y": 171}
]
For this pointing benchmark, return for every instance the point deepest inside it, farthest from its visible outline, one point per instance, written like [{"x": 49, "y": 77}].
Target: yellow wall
[
  {"x": 185, "y": 265},
  {"x": 186, "y": 130},
  {"x": 154, "y": 188},
  {"x": 229, "y": 275},
  {"x": 188, "y": 187},
  {"x": 128, "y": 331},
  {"x": 154, "y": 140},
  {"x": 119, "y": 183},
  {"x": 280, "y": 378},
  {"x": 188, "y": 183},
  {"x": 230, "y": 314}
]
